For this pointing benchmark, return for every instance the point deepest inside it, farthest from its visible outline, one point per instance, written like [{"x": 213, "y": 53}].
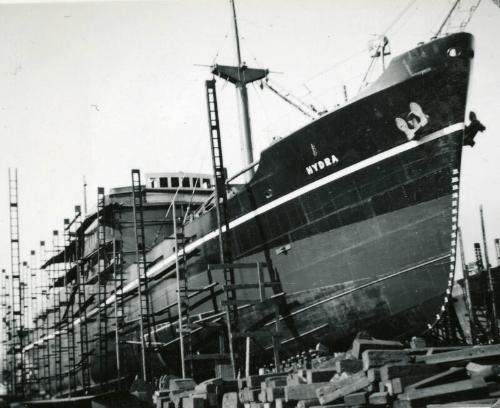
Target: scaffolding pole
[
  {"x": 141, "y": 265},
  {"x": 102, "y": 264},
  {"x": 491, "y": 289},
  {"x": 70, "y": 310}
]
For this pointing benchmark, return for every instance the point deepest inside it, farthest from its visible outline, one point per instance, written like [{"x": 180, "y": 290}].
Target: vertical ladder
[
  {"x": 44, "y": 317},
  {"x": 34, "y": 321},
  {"x": 466, "y": 290},
  {"x": 102, "y": 263},
  {"x": 4, "y": 324},
  {"x": 17, "y": 301},
  {"x": 118, "y": 309},
  {"x": 142, "y": 286},
  {"x": 82, "y": 303},
  {"x": 491, "y": 289},
  {"x": 57, "y": 314},
  {"x": 70, "y": 310},
  {"x": 222, "y": 215},
  {"x": 182, "y": 292},
  {"x": 482, "y": 314}
]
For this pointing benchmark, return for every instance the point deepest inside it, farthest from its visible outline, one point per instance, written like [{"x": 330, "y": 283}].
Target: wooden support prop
[
  {"x": 474, "y": 388},
  {"x": 230, "y": 400},
  {"x": 485, "y": 371},
  {"x": 345, "y": 390},
  {"x": 302, "y": 391},
  {"x": 463, "y": 355},
  {"x": 315, "y": 376},
  {"x": 398, "y": 385},
  {"x": 339, "y": 383},
  {"x": 254, "y": 380},
  {"x": 273, "y": 393},
  {"x": 262, "y": 395},
  {"x": 193, "y": 402},
  {"x": 275, "y": 381},
  {"x": 358, "y": 398},
  {"x": 349, "y": 366},
  {"x": 360, "y": 345},
  {"x": 453, "y": 374},
  {"x": 295, "y": 379},
  {"x": 373, "y": 375},
  {"x": 379, "y": 358},
  {"x": 378, "y": 398},
  {"x": 307, "y": 403},
  {"x": 482, "y": 403},
  {"x": 390, "y": 371}
]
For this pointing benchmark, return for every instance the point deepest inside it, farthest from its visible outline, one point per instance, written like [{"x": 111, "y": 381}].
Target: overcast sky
[{"x": 99, "y": 88}]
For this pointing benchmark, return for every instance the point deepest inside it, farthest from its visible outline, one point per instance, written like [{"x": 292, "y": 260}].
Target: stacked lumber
[
  {"x": 185, "y": 393},
  {"x": 380, "y": 373}
]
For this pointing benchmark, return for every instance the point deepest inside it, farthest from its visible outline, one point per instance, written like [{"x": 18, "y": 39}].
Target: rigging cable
[{"x": 381, "y": 47}]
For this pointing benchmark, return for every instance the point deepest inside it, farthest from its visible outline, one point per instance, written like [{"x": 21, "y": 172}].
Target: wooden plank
[
  {"x": 302, "y": 391},
  {"x": 273, "y": 393},
  {"x": 378, "y": 398},
  {"x": 262, "y": 395},
  {"x": 254, "y": 380},
  {"x": 482, "y": 403},
  {"x": 373, "y": 375},
  {"x": 450, "y": 392},
  {"x": 390, "y": 371},
  {"x": 339, "y": 383},
  {"x": 280, "y": 381},
  {"x": 398, "y": 385},
  {"x": 453, "y": 374},
  {"x": 461, "y": 356},
  {"x": 360, "y": 345},
  {"x": 315, "y": 376},
  {"x": 307, "y": 403},
  {"x": 358, "y": 398},
  {"x": 345, "y": 390},
  {"x": 349, "y": 366},
  {"x": 379, "y": 358},
  {"x": 433, "y": 350},
  {"x": 485, "y": 371}
]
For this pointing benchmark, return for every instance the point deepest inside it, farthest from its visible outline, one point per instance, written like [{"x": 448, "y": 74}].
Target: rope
[{"x": 399, "y": 16}]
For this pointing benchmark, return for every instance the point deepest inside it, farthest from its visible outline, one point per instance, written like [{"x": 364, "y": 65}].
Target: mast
[{"x": 240, "y": 76}]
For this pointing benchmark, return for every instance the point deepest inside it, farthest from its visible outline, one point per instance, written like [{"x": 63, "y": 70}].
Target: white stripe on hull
[{"x": 160, "y": 266}]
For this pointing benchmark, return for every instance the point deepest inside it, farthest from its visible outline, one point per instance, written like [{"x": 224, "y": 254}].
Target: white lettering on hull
[{"x": 322, "y": 164}]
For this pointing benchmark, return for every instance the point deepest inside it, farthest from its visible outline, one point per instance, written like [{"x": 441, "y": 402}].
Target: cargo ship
[{"x": 350, "y": 222}]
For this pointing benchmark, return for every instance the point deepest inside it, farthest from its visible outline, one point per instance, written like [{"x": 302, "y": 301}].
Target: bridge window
[
  {"x": 206, "y": 183},
  {"x": 185, "y": 182},
  {"x": 163, "y": 181},
  {"x": 174, "y": 181}
]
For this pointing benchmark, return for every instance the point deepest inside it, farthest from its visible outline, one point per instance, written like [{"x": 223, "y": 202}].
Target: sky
[{"x": 95, "y": 89}]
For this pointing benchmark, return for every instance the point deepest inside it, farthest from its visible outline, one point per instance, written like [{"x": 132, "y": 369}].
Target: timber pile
[
  {"x": 379, "y": 373},
  {"x": 374, "y": 373}
]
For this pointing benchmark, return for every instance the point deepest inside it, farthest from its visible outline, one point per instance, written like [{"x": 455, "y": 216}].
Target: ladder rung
[
  {"x": 233, "y": 302},
  {"x": 251, "y": 285},
  {"x": 197, "y": 325},
  {"x": 213, "y": 357},
  {"x": 255, "y": 333},
  {"x": 237, "y": 266}
]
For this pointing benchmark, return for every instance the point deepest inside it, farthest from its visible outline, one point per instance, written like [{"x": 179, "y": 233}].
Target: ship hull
[
  {"x": 355, "y": 215},
  {"x": 365, "y": 245}
]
